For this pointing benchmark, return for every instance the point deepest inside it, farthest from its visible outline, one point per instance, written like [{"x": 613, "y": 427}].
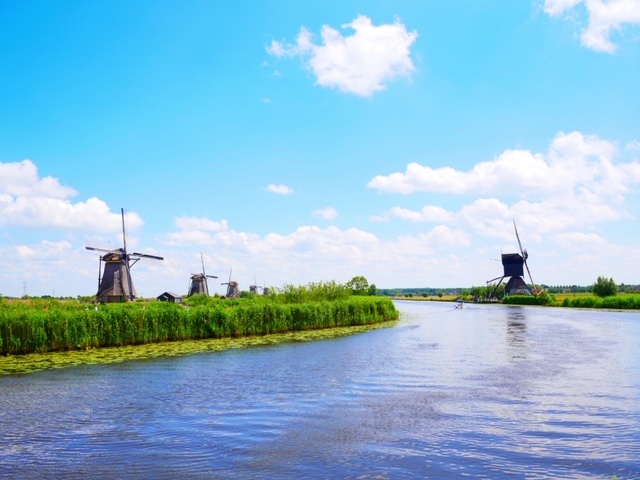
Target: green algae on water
[{"x": 29, "y": 363}]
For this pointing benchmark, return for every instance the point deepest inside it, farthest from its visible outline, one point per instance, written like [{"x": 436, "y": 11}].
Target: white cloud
[
  {"x": 511, "y": 171},
  {"x": 44, "y": 250},
  {"x": 327, "y": 213},
  {"x": 576, "y": 165},
  {"x": 26, "y": 200},
  {"x": 195, "y": 223},
  {"x": 279, "y": 189},
  {"x": 633, "y": 146},
  {"x": 577, "y": 186},
  {"x": 429, "y": 213},
  {"x": 362, "y": 63},
  {"x": 558, "y": 7},
  {"x": 20, "y": 179},
  {"x": 604, "y": 16}
]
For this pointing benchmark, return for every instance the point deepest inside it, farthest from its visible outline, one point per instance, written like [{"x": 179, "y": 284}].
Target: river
[{"x": 487, "y": 391}]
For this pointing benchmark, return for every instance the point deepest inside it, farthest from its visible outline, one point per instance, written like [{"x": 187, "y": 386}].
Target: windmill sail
[
  {"x": 198, "y": 284},
  {"x": 115, "y": 283},
  {"x": 232, "y": 287},
  {"x": 514, "y": 265},
  {"x": 525, "y": 255}
]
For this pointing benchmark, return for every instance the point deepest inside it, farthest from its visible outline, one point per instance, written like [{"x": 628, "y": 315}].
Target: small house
[{"x": 170, "y": 297}]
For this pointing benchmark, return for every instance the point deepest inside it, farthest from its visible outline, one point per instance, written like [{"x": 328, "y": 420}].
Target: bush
[{"x": 605, "y": 288}]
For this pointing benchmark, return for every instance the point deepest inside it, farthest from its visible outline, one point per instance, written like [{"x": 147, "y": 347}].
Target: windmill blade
[
  {"x": 202, "y": 260},
  {"x": 101, "y": 249},
  {"x": 518, "y": 237},
  {"x": 494, "y": 279},
  {"x": 130, "y": 281},
  {"x": 211, "y": 276},
  {"x": 529, "y": 272},
  {"x": 124, "y": 237},
  {"x": 145, "y": 255}
]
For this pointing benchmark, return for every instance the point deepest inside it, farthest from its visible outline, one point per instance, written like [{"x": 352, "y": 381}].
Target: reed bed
[
  {"x": 47, "y": 326},
  {"x": 615, "y": 302},
  {"x": 618, "y": 302}
]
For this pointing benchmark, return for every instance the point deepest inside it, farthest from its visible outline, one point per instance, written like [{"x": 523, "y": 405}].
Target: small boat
[{"x": 459, "y": 303}]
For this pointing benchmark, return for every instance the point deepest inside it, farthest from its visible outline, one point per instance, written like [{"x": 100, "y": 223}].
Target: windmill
[
  {"x": 254, "y": 288},
  {"x": 513, "y": 267},
  {"x": 115, "y": 284},
  {"x": 232, "y": 287},
  {"x": 198, "y": 283}
]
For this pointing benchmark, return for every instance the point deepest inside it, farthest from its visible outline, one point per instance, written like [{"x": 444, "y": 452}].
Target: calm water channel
[{"x": 480, "y": 392}]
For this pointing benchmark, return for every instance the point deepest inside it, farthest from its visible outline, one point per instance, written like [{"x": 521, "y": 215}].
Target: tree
[
  {"x": 358, "y": 286},
  {"x": 604, "y": 287}
]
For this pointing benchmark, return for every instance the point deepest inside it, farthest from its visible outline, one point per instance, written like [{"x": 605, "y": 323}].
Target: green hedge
[
  {"x": 543, "y": 298},
  {"x": 620, "y": 302},
  {"x": 28, "y": 327}
]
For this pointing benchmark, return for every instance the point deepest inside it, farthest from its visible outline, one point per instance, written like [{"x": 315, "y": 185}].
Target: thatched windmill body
[
  {"x": 198, "y": 284},
  {"x": 255, "y": 287},
  {"x": 115, "y": 284},
  {"x": 513, "y": 268},
  {"x": 233, "y": 291}
]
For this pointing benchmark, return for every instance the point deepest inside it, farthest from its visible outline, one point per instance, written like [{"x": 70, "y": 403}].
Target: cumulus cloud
[
  {"x": 21, "y": 179},
  {"x": 362, "y": 63},
  {"x": 429, "y": 213},
  {"x": 279, "y": 189},
  {"x": 575, "y": 163},
  {"x": 327, "y": 213},
  {"x": 44, "y": 250},
  {"x": 27, "y": 200},
  {"x": 633, "y": 146},
  {"x": 195, "y": 223},
  {"x": 577, "y": 184},
  {"x": 604, "y": 17}
]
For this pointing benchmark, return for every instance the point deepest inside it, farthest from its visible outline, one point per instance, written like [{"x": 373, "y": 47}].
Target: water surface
[{"x": 486, "y": 391}]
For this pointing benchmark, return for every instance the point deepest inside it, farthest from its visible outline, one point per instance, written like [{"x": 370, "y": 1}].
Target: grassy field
[
  {"x": 28, "y": 326},
  {"x": 624, "y": 301}
]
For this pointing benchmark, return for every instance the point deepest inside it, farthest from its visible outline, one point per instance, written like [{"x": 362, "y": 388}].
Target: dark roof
[{"x": 169, "y": 295}]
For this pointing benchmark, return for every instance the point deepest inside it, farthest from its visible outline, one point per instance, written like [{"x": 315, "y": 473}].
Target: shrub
[{"x": 604, "y": 287}]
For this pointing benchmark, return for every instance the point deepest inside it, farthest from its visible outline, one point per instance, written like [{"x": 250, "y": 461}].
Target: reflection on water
[
  {"x": 484, "y": 392},
  {"x": 516, "y": 332}
]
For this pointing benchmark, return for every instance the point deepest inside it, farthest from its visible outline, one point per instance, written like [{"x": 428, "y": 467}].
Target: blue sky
[{"x": 296, "y": 142}]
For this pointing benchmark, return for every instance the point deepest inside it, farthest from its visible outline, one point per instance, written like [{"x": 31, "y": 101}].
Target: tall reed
[{"x": 27, "y": 327}]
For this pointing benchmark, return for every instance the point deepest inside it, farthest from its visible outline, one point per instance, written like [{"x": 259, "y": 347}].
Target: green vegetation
[
  {"x": 561, "y": 296},
  {"x": 28, "y": 326},
  {"x": 605, "y": 288},
  {"x": 543, "y": 298},
  {"x": 620, "y": 302},
  {"x": 28, "y": 363},
  {"x": 360, "y": 286}
]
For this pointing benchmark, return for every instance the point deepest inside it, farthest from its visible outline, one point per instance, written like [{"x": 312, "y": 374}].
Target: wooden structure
[{"x": 115, "y": 284}]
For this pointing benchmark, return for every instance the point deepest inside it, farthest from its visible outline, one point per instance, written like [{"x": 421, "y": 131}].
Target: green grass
[
  {"x": 625, "y": 301},
  {"x": 47, "y": 326}
]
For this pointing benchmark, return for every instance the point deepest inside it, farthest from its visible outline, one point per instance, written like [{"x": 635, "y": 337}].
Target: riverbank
[
  {"x": 50, "y": 326},
  {"x": 626, "y": 301}
]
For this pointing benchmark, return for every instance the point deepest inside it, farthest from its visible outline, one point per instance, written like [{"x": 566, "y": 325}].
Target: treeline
[
  {"x": 424, "y": 292},
  {"x": 28, "y": 326},
  {"x": 617, "y": 302},
  {"x": 483, "y": 291}
]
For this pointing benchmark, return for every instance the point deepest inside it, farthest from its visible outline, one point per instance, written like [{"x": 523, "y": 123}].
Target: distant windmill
[
  {"x": 513, "y": 267},
  {"x": 198, "y": 283},
  {"x": 254, "y": 288},
  {"x": 115, "y": 284},
  {"x": 232, "y": 287}
]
